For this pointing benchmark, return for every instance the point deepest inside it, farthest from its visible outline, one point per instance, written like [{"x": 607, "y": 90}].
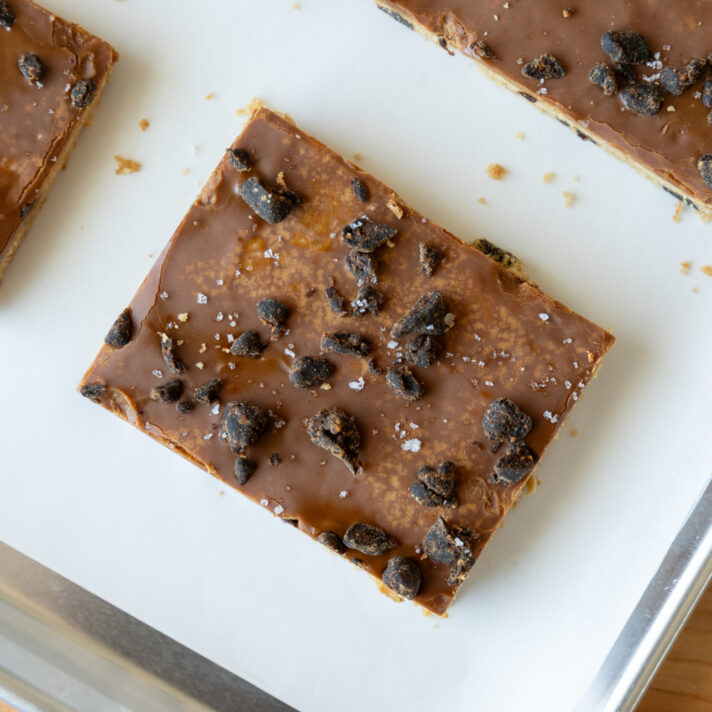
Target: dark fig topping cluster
[
  {"x": 361, "y": 266},
  {"x": 368, "y": 300},
  {"x": 430, "y": 258},
  {"x": 435, "y": 486},
  {"x": 422, "y": 350},
  {"x": 402, "y": 576},
  {"x": 168, "y": 350},
  {"x": 336, "y": 432},
  {"x": 450, "y": 545},
  {"x": 603, "y": 76},
  {"x": 626, "y": 47},
  {"x": 482, "y": 50},
  {"x": 360, "y": 190},
  {"x": 243, "y": 424},
  {"x": 273, "y": 313},
  {"x": 83, "y": 93},
  {"x": 168, "y": 392},
  {"x": 677, "y": 80},
  {"x": 331, "y": 540},
  {"x": 271, "y": 205},
  {"x": 543, "y": 67},
  {"x": 346, "y": 344},
  {"x": 32, "y": 68},
  {"x": 248, "y": 344},
  {"x": 121, "y": 331},
  {"x": 426, "y": 316},
  {"x": 401, "y": 381},
  {"x": 310, "y": 371},
  {"x": 368, "y": 539},
  {"x": 363, "y": 235},
  {"x": 93, "y": 391},
  {"x": 336, "y": 301},
  {"x": 645, "y": 99},
  {"x": 7, "y": 16},
  {"x": 240, "y": 159},
  {"x": 209, "y": 392},
  {"x": 244, "y": 469}
]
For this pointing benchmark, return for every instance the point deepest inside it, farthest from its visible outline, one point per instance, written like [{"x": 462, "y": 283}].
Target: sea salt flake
[
  {"x": 157, "y": 373},
  {"x": 412, "y": 445},
  {"x": 207, "y": 436},
  {"x": 202, "y": 299},
  {"x": 548, "y": 415},
  {"x": 392, "y": 345},
  {"x": 343, "y": 494},
  {"x": 264, "y": 502},
  {"x": 544, "y": 316},
  {"x": 357, "y": 385},
  {"x": 289, "y": 353},
  {"x": 278, "y": 509}
]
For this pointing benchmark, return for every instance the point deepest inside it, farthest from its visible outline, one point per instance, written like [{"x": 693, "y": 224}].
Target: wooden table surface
[{"x": 684, "y": 681}]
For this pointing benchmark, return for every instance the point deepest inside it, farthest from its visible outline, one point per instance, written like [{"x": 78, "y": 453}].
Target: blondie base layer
[
  {"x": 52, "y": 74},
  {"x": 633, "y": 77},
  {"x": 352, "y": 367}
]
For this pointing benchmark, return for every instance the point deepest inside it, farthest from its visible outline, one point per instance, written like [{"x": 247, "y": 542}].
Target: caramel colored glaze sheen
[
  {"x": 499, "y": 346},
  {"x": 667, "y": 144},
  {"x": 36, "y": 121}
]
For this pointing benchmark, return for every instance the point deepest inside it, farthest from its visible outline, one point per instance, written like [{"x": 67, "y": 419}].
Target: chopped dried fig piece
[
  {"x": 83, "y": 93},
  {"x": 430, "y": 258},
  {"x": 368, "y": 539},
  {"x": 168, "y": 349},
  {"x": 367, "y": 299},
  {"x": 346, "y": 343},
  {"x": 515, "y": 464},
  {"x": 626, "y": 47},
  {"x": 336, "y": 432},
  {"x": 92, "y": 391},
  {"x": 707, "y": 94},
  {"x": 503, "y": 420},
  {"x": 482, "y": 50},
  {"x": 425, "y": 496},
  {"x": 244, "y": 469},
  {"x": 337, "y": 303},
  {"x": 240, "y": 159},
  {"x": 7, "y": 17},
  {"x": 645, "y": 99},
  {"x": 272, "y": 206},
  {"x": 168, "y": 392},
  {"x": 503, "y": 257},
  {"x": 121, "y": 331},
  {"x": 360, "y": 190},
  {"x": 363, "y": 235},
  {"x": 32, "y": 67},
  {"x": 248, "y": 344},
  {"x": 440, "y": 479},
  {"x": 402, "y": 381},
  {"x": 545, "y": 66},
  {"x": 426, "y": 316},
  {"x": 310, "y": 371},
  {"x": 184, "y": 406},
  {"x": 402, "y": 576},
  {"x": 331, "y": 540},
  {"x": 274, "y": 314},
  {"x": 422, "y": 351},
  {"x": 704, "y": 166},
  {"x": 243, "y": 424},
  {"x": 603, "y": 76},
  {"x": 361, "y": 266},
  {"x": 439, "y": 543},
  {"x": 676, "y": 80},
  {"x": 209, "y": 392}
]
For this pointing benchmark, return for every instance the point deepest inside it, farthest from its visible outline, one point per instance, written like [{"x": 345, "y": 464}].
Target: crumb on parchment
[
  {"x": 520, "y": 135},
  {"x": 482, "y": 200},
  {"x": 548, "y": 177},
  {"x": 706, "y": 269},
  {"x": 677, "y": 217},
  {"x": 573, "y": 432},
  {"x": 496, "y": 171},
  {"x": 144, "y": 124},
  {"x": 124, "y": 166},
  {"x": 569, "y": 198},
  {"x": 685, "y": 267},
  {"x": 255, "y": 103}
]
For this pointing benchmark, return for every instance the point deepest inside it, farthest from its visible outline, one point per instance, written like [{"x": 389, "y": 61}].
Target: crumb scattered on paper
[
  {"x": 358, "y": 156},
  {"x": 124, "y": 166},
  {"x": 576, "y": 178},
  {"x": 496, "y": 172},
  {"x": 706, "y": 269},
  {"x": 144, "y": 124},
  {"x": 209, "y": 96},
  {"x": 695, "y": 289},
  {"x": 677, "y": 217},
  {"x": 520, "y": 135},
  {"x": 482, "y": 200},
  {"x": 185, "y": 171},
  {"x": 296, "y": 6},
  {"x": 569, "y": 198},
  {"x": 394, "y": 206},
  {"x": 573, "y": 433},
  {"x": 685, "y": 267},
  {"x": 547, "y": 177},
  {"x": 255, "y": 103}
]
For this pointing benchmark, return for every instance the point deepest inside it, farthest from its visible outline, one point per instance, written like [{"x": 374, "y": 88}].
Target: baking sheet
[{"x": 96, "y": 501}]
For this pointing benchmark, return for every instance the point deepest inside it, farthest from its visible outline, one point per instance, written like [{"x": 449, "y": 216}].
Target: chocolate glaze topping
[
  {"x": 504, "y": 339},
  {"x": 37, "y": 117},
  {"x": 669, "y": 143}
]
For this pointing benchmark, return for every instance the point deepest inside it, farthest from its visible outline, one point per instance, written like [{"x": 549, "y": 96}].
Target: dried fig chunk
[
  {"x": 7, "y": 17},
  {"x": 626, "y": 47},
  {"x": 92, "y": 391},
  {"x": 331, "y": 540},
  {"x": 271, "y": 205},
  {"x": 240, "y": 159},
  {"x": 209, "y": 392},
  {"x": 503, "y": 420},
  {"x": 402, "y": 381},
  {"x": 244, "y": 469},
  {"x": 184, "y": 406},
  {"x": 482, "y": 50},
  {"x": 603, "y": 76},
  {"x": 430, "y": 258},
  {"x": 402, "y": 576},
  {"x": 361, "y": 266},
  {"x": 363, "y": 235},
  {"x": 367, "y": 299},
  {"x": 168, "y": 392},
  {"x": 32, "y": 67},
  {"x": 310, "y": 371},
  {"x": 676, "y": 80},
  {"x": 517, "y": 462},
  {"x": 645, "y": 99},
  {"x": 361, "y": 190},
  {"x": 426, "y": 316},
  {"x": 545, "y": 66},
  {"x": 450, "y": 545},
  {"x": 346, "y": 343},
  {"x": 273, "y": 313},
  {"x": 368, "y": 539},
  {"x": 83, "y": 93},
  {"x": 336, "y": 432},
  {"x": 168, "y": 349},
  {"x": 707, "y": 94},
  {"x": 422, "y": 351},
  {"x": 248, "y": 345},
  {"x": 425, "y": 496},
  {"x": 704, "y": 166},
  {"x": 121, "y": 331},
  {"x": 440, "y": 479},
  {"x": 243, "y": 424},
  {"x": 336, "y": 301}
]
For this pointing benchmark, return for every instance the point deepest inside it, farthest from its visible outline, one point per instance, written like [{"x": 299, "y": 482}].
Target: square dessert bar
[
  {"x": 52, "y": 74},
  {"x": 352, "y": 367},
  {"x": 633, "y": 77}
]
